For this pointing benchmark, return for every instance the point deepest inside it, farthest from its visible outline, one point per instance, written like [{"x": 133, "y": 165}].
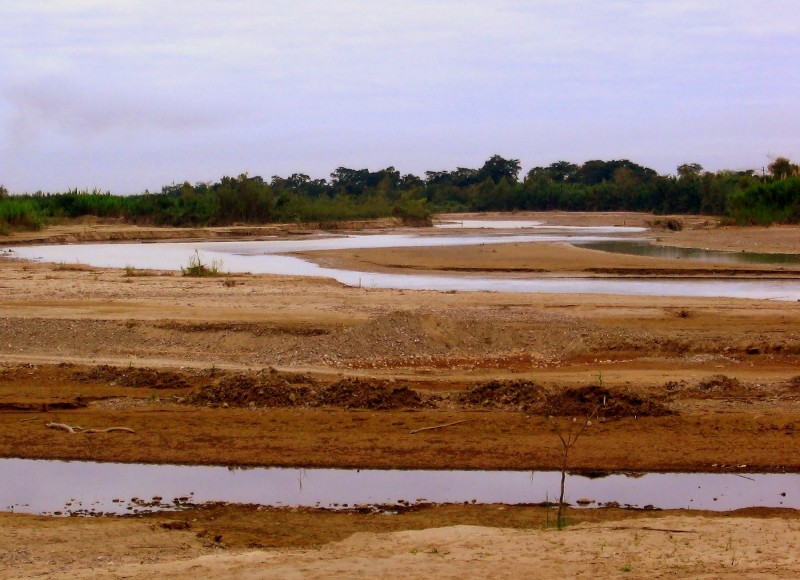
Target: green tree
[
  {"x": 497, "y": 168},
  {"x": 690, "y": 170},
  {"x": 560, "y": 172},
  {"x": 782, "y": 168}
]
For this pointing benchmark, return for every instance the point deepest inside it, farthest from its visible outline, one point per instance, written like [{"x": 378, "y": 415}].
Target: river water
[
  {"x": 277, "y": 257},
  {"x": 45, "y": 487}
]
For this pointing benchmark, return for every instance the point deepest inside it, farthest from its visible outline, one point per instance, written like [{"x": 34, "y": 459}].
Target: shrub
[{"x": 197, "y": 268}]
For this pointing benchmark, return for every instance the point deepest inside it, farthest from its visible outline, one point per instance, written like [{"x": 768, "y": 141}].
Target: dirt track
[{"x": 726, "y": 370}]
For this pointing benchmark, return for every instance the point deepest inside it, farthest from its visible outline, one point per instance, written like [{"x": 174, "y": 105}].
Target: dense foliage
[{"x": 359, "y": 194}]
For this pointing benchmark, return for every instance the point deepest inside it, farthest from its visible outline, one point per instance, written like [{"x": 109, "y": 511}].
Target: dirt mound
[
  {"x": 716, "y": 386},
  {"x": 132, "y": 377},
  {"x": 358, "y": 394},
  {"x": 671, "y": 224},
  {"x": 254, "y": 328},
  {"x": 515, "y": 395},
  {"x": 583, "y": 401},
  {"x": 274, "y": 390},
  {"x": 261, "y": 390},
  {"x": 720, "y": 384},
  {"x": 402, "y": 338},
  {"x": 793, "y": 384},
  {"x": 531, "y": 398}
]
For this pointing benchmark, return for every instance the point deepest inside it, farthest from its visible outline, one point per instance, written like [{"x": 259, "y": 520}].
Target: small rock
[{"x": 175, "y": 525}]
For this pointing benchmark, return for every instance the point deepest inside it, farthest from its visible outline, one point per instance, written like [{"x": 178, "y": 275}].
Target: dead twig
[
  {"x": 111, "y": 430},
  {"x": 649, "y": 529},
  {"x": 28, "y": 420},
  {"x": 76, "y": 429},
  {"x": 438, "y": 426},
  {"x": 568, "y": 436},
  {"x": 61, "y": 426}
]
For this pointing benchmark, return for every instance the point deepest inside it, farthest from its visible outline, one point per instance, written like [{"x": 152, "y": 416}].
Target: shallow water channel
[
  {"x": 275, "y": 257},
  {"x": 64, "y": 487},
  {"x": 637, "y": 248}
]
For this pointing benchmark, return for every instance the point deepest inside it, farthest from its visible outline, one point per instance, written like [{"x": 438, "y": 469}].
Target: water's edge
[{"x": 270, "y": 257}]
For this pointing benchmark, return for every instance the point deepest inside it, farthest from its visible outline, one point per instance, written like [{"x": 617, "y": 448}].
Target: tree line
[{"x": 744, "y": 197}]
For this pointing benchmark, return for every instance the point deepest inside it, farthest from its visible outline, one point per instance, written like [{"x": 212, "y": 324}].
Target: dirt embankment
[
  {"x": 286, "y": 418},
  {"x": 88, "y": 230}
]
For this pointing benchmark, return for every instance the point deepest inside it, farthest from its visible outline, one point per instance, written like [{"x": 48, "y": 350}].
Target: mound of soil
[
  {"x": 514, "y": 395},
  {"x": 720, "y": 384},
  {"x": 583, "y": 401},
  {"x": 717, "y": 386},
  {"x": 274, "y": 390},
  {"x": 358, "y": 394},
  {"x": 132, "y": 377},
  {"x": 254, "y": 328},
  {"x": 261, "y": 390}
]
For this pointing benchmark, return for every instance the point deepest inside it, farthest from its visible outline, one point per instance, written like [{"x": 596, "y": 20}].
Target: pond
[{"x": 47, "y": 487}]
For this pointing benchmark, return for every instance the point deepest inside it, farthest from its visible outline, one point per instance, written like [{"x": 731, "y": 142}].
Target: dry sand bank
[{"x": 666, "y": 546}]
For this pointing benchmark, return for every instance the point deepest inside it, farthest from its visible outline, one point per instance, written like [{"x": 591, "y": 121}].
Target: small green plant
[
  {"x": 626, "y": 568},
  {"x": 197, "y": 268},
  {"x": 67, "y": 267},
  {"x": 130, "y": 271}
]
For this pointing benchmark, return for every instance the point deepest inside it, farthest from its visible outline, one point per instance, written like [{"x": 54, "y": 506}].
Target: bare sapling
[{"x": 568, "y": 436}]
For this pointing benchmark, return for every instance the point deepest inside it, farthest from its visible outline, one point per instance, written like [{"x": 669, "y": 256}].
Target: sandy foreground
[
  {"x": 695, "y": 385},
  {"x": 669, "y": 547}
]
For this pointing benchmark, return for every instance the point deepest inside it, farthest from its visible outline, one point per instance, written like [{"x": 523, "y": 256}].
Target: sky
[{"x": 132, "y": 95}]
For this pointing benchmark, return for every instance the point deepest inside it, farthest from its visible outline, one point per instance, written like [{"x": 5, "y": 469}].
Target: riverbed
[{"x": 279, "y": 256}]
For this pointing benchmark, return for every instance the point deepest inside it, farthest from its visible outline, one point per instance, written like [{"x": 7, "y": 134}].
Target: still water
[
  {"x": 37, "y": 486},
  {"x": 637, "y": 248}
]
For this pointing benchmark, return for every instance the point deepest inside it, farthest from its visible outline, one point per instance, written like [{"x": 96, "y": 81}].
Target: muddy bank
[{"x": 713, "y": 423}]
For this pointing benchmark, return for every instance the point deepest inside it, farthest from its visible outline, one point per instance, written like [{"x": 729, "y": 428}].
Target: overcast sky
[{"x": 129, "y": 95}]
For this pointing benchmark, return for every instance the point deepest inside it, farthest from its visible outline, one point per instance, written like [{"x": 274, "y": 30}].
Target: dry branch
[
  {"x": 649, "y": 529},
  {"x": 61, "y": 426},
  {"x": 111, "y": 430},
  {"x": 76, "y": 429},
  {"x": 438, "y": 426}
]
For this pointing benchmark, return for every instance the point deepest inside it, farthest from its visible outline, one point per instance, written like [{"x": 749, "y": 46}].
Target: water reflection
[
  {"x": 638, "y": 248},
  {"x": 36, "y": 486}
]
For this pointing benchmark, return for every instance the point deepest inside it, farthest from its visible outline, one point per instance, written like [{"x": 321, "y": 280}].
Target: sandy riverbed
[{"x": 727, "y": 371}]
